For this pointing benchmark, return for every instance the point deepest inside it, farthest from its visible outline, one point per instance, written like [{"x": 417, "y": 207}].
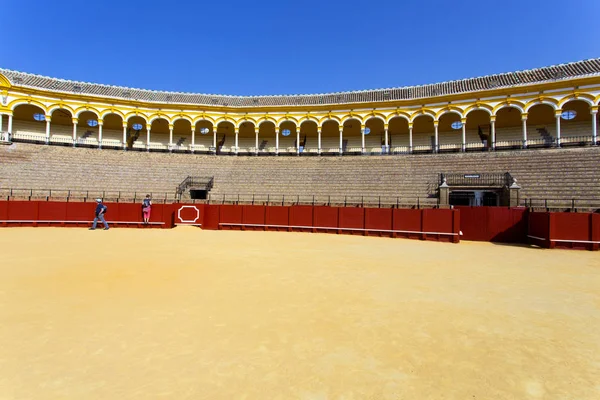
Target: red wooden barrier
[
  {"x": 325, "y": 219},
  {"x": 42, "y": 213},
  {"x": 253, "y": 218},
  {"x": 438, "y": 224},
  {"x": 495, "y": 224},
  {"x": 52, "y": 211},
  {"x": 574, "y": 231},
  {"x": 378, "y": 221},
  {"x": 538, "y": 229},
  {"x": 230, "y": 216},
  {"x": 211, "y": 217},
  {"x": 351, "y": 220},
  {"x": 3, "y": 212},
  {"x": 277, "y": 218},
  {"x": 406, "y": 223},
  {"x": 301, "y": 218}
]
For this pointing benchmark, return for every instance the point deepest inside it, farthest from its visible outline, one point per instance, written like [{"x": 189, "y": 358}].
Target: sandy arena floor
[{"x": 187, "y": 314}]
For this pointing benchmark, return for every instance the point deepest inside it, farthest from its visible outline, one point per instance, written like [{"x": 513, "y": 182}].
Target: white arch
[
  {"x": 368, "y": 117},
  {"x": 506, "y": 105},
  {"x": 82, "y": 111},
  {"x": 537, "y": 103},
  {"x": 287, "y": 120}
]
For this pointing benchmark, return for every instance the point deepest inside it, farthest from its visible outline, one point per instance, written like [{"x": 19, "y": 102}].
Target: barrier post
[
  {"x": 595, "y": 230},
  {"x": 551, "y": 230},
  {"x": 423, "y": 235},
  {"x": 456, "y": 225}
]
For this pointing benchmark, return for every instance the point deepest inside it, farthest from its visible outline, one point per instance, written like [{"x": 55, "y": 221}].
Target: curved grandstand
[{"x": 547, "y": 108}]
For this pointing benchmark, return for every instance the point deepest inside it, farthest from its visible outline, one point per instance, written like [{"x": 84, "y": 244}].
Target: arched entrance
[
  {"x": 203, "y": 136},
  {"x": 225, "y": 138},
  {"x": 330, "y": 138},
  {"x": 450, "y": 132},
  {"x": 135, "y": 137},
  {"x": 352, "y": 137},
  {"x": 266, "y": 137},
  {"x": 88, "y": 129},
  {"x": 423, "y": 137},
  {"x": 112, "y": 131},
  {"x": 182, "y": 135},
  {"x": 374, "y": 136},
  {"x": 28, "y": 123},
  {"x": 541, "y": 126},
  {"x": 509, "y": 131},
  {"x": 576, "y": 123},
  {"x": 310, "y": 131},
  {"x": 288, "y": 138},
  {"x": 478, "y": 131},
  {"x": 398, "y": 134}
]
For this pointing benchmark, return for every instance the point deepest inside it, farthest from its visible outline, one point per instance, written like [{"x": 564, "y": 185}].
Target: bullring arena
[{"x": 409, "y": 243}]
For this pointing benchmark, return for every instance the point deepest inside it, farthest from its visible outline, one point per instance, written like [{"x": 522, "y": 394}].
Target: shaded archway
[
  {"x": 423, "y": 133},
  {"x": 309, "y": 131},
  {"x": 225, "y": 137},
  {"x": 62, "y": 129},
  {"x": 541, "y": 125},
  {"x": 508, "y": 126},
  {"x": 478, "y": 129},
  {"x": 330, "y": 137},
  {"x": 576, "y": 121},
  {"x": 137, "y": 133},
  {"x": 398, "y": 134},
  {"x": 450, "y": 131},
  {"x": 352, "y": 136},
  {"x": 247, "y": 138},
  {"x": 203, "y": 136},
  {"x": 112, "y": 131},
  {"x": 266, "y": 137},
  {"x": 28, "y": 123},
  {"x": 374, "y": 136},
  {"x": 88, "y": 128},
  {"x": 288, "y": 144},
  {"x": 159, "y": 135},
  {"x": 182, "y": 135}
]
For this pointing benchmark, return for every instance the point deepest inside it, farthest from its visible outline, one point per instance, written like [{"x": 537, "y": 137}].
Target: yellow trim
[{"x": 4, "y": 82}]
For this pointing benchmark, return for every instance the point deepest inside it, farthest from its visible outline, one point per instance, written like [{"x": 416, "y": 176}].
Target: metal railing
[
  {"x": 561, "y": 203},
  {"x": 321, "y": 199},
  {"x": 206, "y": 181},
  {"x": 124, "y": 196},
  {"x": 477, "y": 179},
  {"x": 544, "y": 142},
  {"x": 83, "y": 195}
]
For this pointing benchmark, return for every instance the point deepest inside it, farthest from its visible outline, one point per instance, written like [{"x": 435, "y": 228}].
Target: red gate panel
[
  {"x": 352, "y": 220},
  {"x": 301, "y": 218},
  {"x": 230, "y": 214},
  {"x": 378, "y": 221},
  {"x": 253, "y": 218},
  {"x": 326, "y": 219},
  {"x": 278, "y": 217},
  {"x": 407, "y": 221}
]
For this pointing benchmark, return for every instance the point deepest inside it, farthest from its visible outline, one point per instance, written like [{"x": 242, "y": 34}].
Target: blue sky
[{"x": 308, "y": 46}]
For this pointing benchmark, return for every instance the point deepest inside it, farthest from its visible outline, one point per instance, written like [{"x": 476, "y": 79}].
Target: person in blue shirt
[{"x": 100, "y": 211}]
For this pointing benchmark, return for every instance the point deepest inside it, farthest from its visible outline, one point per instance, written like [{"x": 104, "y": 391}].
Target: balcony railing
[
  {"x": 477, "y": 179},
  {"x": 536, "y": 142}
]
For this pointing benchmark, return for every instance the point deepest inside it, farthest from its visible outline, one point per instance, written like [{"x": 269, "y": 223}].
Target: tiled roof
[{"x": 539, "y": 75}]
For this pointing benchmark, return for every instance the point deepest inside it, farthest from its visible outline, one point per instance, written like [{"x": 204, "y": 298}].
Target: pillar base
[{"x": 444, "y": 194}]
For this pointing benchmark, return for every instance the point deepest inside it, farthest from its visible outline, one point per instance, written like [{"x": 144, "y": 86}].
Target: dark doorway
[{"x": 198, "y": 194}]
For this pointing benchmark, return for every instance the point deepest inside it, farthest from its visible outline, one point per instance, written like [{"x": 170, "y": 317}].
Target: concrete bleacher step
[{"x": 541, "y": 173}]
